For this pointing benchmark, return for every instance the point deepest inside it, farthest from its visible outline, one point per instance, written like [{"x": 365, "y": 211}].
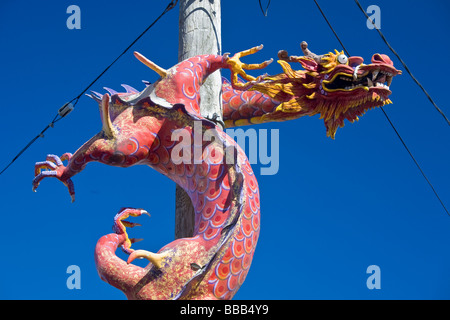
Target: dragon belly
[{"x": 210, "y": 187}]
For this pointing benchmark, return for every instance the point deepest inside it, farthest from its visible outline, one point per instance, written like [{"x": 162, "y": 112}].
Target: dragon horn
[
  {"x": 162, "y": 72},
  {"x": 283, "y": 55},
  {"x": 156, "y": 259},
  {"x": 307, "y": 53},
  {"x": 106, "y": 120}
]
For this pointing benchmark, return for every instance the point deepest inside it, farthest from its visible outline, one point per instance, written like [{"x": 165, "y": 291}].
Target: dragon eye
[{"x": 342, "y": 59}]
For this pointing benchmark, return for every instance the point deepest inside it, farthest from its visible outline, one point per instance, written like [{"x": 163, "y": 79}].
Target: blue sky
[{"x": 334, "y": 207}]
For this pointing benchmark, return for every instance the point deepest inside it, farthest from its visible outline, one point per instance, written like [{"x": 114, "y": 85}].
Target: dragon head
[{"x": 332, "y": 85}]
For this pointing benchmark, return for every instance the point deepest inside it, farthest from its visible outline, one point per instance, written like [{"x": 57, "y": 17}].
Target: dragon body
[{"x": 162, "y": 127}]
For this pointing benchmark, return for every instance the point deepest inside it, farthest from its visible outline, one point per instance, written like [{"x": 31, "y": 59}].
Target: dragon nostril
[{"x": 382, "y": 58}]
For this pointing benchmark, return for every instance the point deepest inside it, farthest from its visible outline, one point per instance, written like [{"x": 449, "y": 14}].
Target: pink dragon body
[{"x": 139, "y": 128}]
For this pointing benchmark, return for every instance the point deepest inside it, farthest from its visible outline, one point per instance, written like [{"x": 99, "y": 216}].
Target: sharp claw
[
  {"x": 53, "y": 167},
  {"x": 44, "y": 165},
  {"x": 237, "y": 68},
  {"x": 120, "y": 225},
  {"x": 40, "y": 176},
  {"x": 66, "y": 156},
  {"x": 54, "y": 159},
  {"x": 145, "y": 212},
  {"x": 69, "y": 184},
  {"x": 129, "y": 224},
  {"x": 267, "y": 62},
  {"x": 127, "y": 212}
]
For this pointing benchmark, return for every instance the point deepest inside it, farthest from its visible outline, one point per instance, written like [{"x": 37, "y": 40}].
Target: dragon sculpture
[{"x": 139, "y": 128}]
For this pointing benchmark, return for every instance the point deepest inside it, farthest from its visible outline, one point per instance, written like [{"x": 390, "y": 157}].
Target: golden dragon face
[{"x": 333, "y": 85}]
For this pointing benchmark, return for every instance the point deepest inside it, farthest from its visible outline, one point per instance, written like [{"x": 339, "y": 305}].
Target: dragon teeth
[
  {"x": 355, "y": 72},
  {"x": 354, "y": 86},
  {"x": 382, "y": 85},
  {"x": 387, "y": 73},
  {"x": 375, "y": 74},
  {"x": 389, "y": 80}
]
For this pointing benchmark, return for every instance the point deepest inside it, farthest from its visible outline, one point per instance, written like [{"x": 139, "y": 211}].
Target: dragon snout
[
  {"x": 382, "y": 58},
  {"x": 355, "y": 61}
]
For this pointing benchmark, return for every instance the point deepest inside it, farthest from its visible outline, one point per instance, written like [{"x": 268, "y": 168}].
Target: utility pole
[{"x": 199, "y": 33}]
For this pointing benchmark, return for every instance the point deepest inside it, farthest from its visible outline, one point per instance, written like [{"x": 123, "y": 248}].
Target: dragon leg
[{"x": 114, "y": 270}]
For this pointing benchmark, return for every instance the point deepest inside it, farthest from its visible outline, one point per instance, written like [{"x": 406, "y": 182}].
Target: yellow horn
[
  {"x": 155, "y": 258},
  {"x": 162, "y": 72},
  {"x": 106, "y": 120}
]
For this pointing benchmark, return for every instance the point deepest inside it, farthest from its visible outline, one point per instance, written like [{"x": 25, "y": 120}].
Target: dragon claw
[
  {"x": 238, "y": 68},
  {"x": 134, "y": 240},
  {"x": 53, "y": 167},
  {"x": 120, "y": 226}
]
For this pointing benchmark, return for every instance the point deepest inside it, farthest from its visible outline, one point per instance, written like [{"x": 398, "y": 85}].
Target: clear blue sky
[{"x": 333, "y": 209}]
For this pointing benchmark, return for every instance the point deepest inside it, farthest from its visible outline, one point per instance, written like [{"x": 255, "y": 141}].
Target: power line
[
  {"x": 417, "y": 164},
  {"x": 403, "y": 63},
  {"x": 68, "y": 107},
  {"x": 170, "y": 6},
  {"x": 264, "y": 12},
  {"x": 332, "y": 29},
  {"x": 385, "y": 114}
]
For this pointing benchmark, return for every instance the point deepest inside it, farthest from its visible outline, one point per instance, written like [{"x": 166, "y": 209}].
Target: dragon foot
[
  {"x": 238, "y": 68},
  {"x": 53, "y": 167},
  {"x": 120, "y": 226}
]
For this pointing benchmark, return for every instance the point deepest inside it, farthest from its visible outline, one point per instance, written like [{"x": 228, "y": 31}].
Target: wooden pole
[{"x": 199, "y": 33}]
